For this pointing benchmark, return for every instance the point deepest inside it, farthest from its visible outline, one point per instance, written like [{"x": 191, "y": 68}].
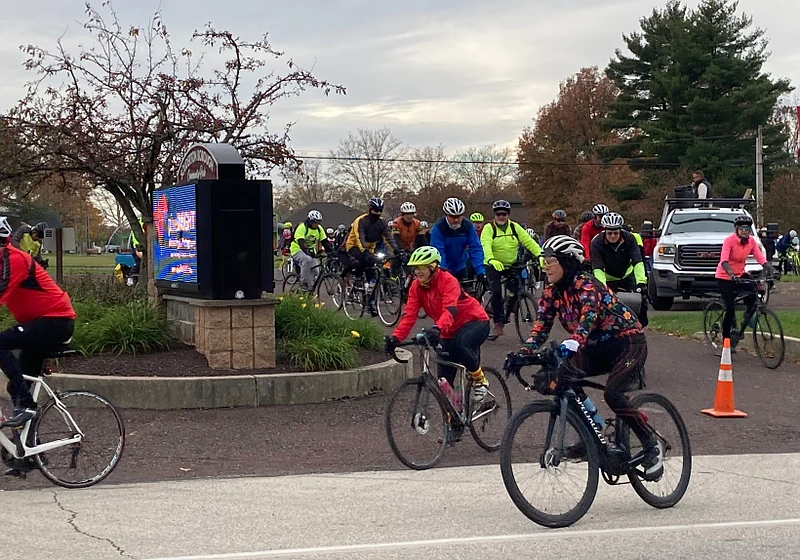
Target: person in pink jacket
[{"x": 736, "y": 248}]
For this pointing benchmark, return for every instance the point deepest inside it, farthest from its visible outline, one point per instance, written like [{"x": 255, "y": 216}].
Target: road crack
[{"x": 71, "y": 523}]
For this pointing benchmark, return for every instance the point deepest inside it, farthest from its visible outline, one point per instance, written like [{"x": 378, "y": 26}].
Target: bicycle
[
  {"x": 793, "y": 256},
  {"x": 570, "y": 445},
  {"x": 432, "y": 420},
  {"x": 517, "y": 301},
  {"x": 66, "y": 436},
  {"x": 384, "y": 295},
  {"x": 767, "y": 329},
  {"x": 327, "y": 288}
]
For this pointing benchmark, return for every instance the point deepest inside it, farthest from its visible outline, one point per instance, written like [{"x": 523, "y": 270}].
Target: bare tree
[
  {"x": 486, "y": 171},
  {"x": 308, "y": 182},
  {"x": 366, "y": 162},
  {"x": 110, "y": 209},
  {"x": 427, "y": 166}
]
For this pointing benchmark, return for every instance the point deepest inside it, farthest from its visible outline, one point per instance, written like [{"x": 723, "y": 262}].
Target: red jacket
[
  {"x": 443, "y": 301},
  {"x": 588, "y": 231},
  {"x": 649, "y": 243},
  {"x": 27, "y": 290}
]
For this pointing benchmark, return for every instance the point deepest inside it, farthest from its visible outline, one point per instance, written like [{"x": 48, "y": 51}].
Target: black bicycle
[
  {"x": 327, "y": 288},
  {"x": 421, "y": 420},
  {"x": 552, "y": 451},
  {"x": 517, "y": 301},
  {"x": 767, "y": 329},
  {"x": 383, "y": 294}
]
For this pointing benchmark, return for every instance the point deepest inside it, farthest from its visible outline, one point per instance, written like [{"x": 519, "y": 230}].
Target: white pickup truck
[{"x": 689, "y": 245}]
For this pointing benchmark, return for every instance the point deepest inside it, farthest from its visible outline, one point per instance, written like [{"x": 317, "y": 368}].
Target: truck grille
[{"x": 699, "y": 256}]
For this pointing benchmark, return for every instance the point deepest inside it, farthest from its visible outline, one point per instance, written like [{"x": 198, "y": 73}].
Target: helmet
[
  {"x": 39, "y": 229},
  {"x": 424, "y": 255},
  {"x": 559, "y": 215},
  {"x": 600, "y": 209},
  {"x": 329, "y": 231},
  {"x": 423, "y": 223},
  {"x": 501, "y": 205},
  {"x": 408, "y": 208},
  {"x": 315, "y": 216},
  {"x": 453, "y": 207},
  {"x": 341, "y": 227},
  {"x": 476, "y": 217},
  {"x": 563, "y": 246},
  {"x": 5, "y": 227},
  {"x": 586, "y": 215},
  {"x": 612, "y": 220},
  {"x": 287, "y": 225},
  {"x": 743, "y": 220},
  {"x": 795, "y": 241},
  {"x": 792, "y": 233},
  {"x": 376, "y": 204},
  {"x": 530, "y": 232}
]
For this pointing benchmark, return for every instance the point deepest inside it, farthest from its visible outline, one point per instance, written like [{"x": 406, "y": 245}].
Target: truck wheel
[{"x": 659, "y": 303}]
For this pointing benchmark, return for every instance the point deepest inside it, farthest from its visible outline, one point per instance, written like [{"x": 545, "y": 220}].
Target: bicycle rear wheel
[
  {"x": 490, "y": 417},
  {"x": 713, "y": 315},
  {"x": 89, "y": 461},
  {"x": 549, "y": 491},
  {"x": 416, "y": 425},
  {"x": 291, "y": 284},
  {"x": 665, "y": 419},
  {"x": 768, "y": 338},
  {"x": 389, "y": 301},
  {"x": 525, "y": 315}
]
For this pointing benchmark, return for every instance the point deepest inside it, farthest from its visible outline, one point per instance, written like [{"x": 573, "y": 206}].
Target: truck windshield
[{"x": 702, "y": 223}]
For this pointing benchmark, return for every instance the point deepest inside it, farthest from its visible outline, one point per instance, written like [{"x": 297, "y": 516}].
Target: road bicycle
[
  {"x": 421, "y": 420},
  {"x": 327, "y": 287},
  {"x": 517, "y": 301},
  {"x": 767, "y": 329},
  {"x": 76, "y": 439},
  {"x": 553, "y": 451},
  {"x": 383, "y": 294}
]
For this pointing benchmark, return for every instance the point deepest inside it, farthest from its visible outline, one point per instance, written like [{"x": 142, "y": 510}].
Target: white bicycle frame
[{"x": 12, "y": 447}]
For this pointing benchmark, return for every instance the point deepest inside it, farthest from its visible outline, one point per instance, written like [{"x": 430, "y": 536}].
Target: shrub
[
  {"x": 101, "y": 288},
  {"x": 137, "y": 326},
  {"x": 320, "y": 353}
]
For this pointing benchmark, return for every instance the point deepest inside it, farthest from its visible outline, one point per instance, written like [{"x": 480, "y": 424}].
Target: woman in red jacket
[{"x": 461, "y": 322}]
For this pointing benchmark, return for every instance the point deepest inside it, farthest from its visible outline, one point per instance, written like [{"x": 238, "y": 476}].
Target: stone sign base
[{"x": 231, "y": 334}]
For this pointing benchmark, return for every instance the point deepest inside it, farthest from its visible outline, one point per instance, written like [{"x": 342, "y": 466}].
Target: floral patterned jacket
[{"x": 587, "y": 310}]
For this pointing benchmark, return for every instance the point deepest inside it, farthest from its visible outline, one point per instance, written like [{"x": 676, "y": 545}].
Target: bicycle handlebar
[{"x": 418, "y": 340}]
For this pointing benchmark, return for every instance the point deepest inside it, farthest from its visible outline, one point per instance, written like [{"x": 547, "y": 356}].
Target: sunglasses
[
  {"x": 550, "y": 261},
  {"x": 501, "y": 214}
]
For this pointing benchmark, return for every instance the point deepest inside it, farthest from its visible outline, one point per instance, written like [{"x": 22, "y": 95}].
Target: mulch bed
[{"x": 179, "y": 362}]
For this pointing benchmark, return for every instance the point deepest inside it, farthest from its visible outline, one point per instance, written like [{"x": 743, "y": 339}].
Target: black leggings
[
  {"x": 728, "y": 290},
  {"x": 33, "y": 340},
  {"x": 464, "y": 348},
  {"x": 495, "y": 280},
  {"x": 620, "y": 358},
  {"x": 364, "y": 261}
]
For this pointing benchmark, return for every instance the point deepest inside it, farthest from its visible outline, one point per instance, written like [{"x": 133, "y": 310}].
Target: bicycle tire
[
  {"x": 291, "y": 284},
  {"x": 503, "y": 399},
  {"x": 97, "y": 407},
  {"x": 352, "y": 302},
  {"x": 761, "y": 338},
  {"x": 421, "y": 425},
  {"x": 287, "y": 267},
  {"x": 328, "y": 291},
  {"x": 713, "y": 315},
  {"x": 641, "y": 486},
  {"x": 389, "y": 293},
  {"x": 525, "y": 312},
  {"x": 507, "y": 469}
]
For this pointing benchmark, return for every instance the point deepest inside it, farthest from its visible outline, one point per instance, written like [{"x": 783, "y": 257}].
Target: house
[{"x": 333, "y": 214}]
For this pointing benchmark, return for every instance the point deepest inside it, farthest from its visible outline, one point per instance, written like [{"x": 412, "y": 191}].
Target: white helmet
[
  {"x": 612, "y": 220},
  {"x": 530, "y": 231},
  {"x": 792, "y": 234},
  {"x": 453, "y": 207},
  {"x": 564, "y": 246},
  {"x": 315, "y": 216},
  {"x": 408, "y": 208},
  {"x": 423, "y": 223},
  {"x": 795, "y": 241},
  {"x": 341, "y": 227},
  {"x": 5, "y": 227},
  {"x": 329, "y": 231},
  {"x": 600, "y": 210}
]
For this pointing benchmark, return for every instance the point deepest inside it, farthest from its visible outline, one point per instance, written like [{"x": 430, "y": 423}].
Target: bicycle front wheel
[
  {"x": 329, "y": 291},
  {"x": 552, "y": 484},
  {"x": 291, "y": 284},
  {"x": 352, "y": 298},
  {"x": 416, "y": 425},
  {"x": 671, "y": 432},
  {"x": 488, "y": 418},
  {"x": 389, "y": 301},
  {"x": 713, "y": 315},
  {"x": 525, "y": 315},
  {"x": 82, "y": 464},
  {"x": 768, "y": 338}
]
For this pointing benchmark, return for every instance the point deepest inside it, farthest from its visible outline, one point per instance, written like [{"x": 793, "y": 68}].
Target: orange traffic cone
[{"x": 723, "y": 401}]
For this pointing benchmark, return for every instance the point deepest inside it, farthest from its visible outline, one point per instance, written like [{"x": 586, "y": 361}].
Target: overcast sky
[{"x": 464, "y": 73}]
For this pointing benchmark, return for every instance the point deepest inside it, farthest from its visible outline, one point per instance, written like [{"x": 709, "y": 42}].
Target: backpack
[{"x": 513, "y": 230}]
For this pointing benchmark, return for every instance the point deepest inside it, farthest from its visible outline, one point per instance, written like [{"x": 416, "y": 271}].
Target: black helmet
[
  {"x": 586, "y": 215},
  {"x": 743, "y": 220},
  {"x": 376, "y": 204},
  {"x": 38, "y": 229}
]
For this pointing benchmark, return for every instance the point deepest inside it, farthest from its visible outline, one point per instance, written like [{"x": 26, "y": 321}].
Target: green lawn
[
  {"x": 686, "y": 323},
  {"x": 790, "y": 278},
  {"x": 75, "y": 264}
]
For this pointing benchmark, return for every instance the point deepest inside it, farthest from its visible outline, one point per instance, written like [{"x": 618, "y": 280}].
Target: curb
[
  {"x": 166, "y": 393},
  {"x": 792, "y": 345}
]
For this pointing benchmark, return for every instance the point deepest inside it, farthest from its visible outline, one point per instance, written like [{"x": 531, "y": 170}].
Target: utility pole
[{"x": 759, "y": 178}]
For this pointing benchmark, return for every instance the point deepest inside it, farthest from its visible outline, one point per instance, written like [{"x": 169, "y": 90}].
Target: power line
[{"x": 450, "y": 161}]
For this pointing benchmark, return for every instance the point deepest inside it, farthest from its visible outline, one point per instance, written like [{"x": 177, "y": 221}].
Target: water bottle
[
  {"x": 370, "y": 286},
  {"x": 446, "y": 388},
  {"x": 592, "y": 410}
]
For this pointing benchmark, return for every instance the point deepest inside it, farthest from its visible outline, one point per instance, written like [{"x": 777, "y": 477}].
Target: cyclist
[
  {"x": 590, "y": 229},
  {"x": 331, "y": 234},
  {"x": 45, "y": 320},
  {"x": 477, "y": 220},
  {"x": 586, "y": 216},
  {"x": 783, "y": 245},
  {"x": 501, "y": 239},
  {"x": 605, "y": 337},
  {"x": 617, "y": 260},
  {"x": 29, "y": 239},
  {"x": 456, "y": 240},
  {"x": 286, "y": 238},
  {"x": 533, "y": 234},
  {"x": 426, "y": 231},
  {"x": 367, "y": 231},
  {"x": 460, "y": 320},
  {"x": 407, "y": 229},
  {"x": 309, "y": 238},
  {"x": 736, "y": 248},
  {"x": 558, "y": 226}
]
